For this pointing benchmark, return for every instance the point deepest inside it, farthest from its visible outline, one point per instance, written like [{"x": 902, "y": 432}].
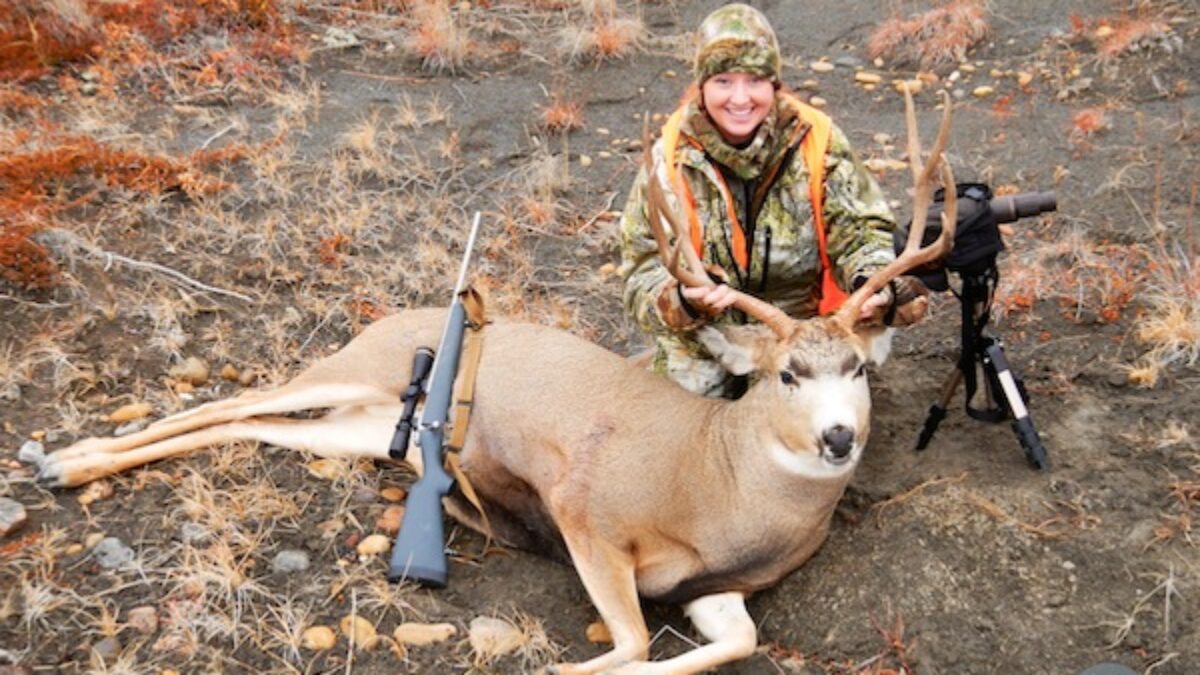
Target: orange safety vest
[{"x": 813, "y": 147}]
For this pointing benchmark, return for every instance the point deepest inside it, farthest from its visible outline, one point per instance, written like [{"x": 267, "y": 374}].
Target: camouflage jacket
[{"x": 784, "y": 265}]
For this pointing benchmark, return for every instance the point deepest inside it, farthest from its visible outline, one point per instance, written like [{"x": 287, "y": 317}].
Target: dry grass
[{"x": 943, "y": 35}]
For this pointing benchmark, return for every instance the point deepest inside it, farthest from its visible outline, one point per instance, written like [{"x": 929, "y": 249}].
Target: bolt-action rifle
[{"x": 419, "y": 552}]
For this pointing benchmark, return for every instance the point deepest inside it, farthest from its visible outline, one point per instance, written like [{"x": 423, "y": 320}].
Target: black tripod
[{"x": 981, "y": 353}]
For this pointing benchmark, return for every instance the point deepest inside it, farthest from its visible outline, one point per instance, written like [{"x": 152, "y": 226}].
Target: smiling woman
[{"x": 776, "y": 202}]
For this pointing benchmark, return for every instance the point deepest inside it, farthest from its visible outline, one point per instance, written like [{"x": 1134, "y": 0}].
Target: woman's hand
[
  {"x": 875, "y": 306},
  {"x": 711, "y": 300}
]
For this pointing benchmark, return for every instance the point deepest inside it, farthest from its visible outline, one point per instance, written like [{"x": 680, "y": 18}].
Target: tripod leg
[
  {"x": 1022, "y": 424},
  {"x": 937, "y": 411}
]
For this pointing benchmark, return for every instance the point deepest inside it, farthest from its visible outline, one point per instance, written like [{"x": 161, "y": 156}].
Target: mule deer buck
[{"x": 652, "y": 490}]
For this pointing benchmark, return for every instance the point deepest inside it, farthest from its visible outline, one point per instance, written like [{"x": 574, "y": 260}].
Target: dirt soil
[{"x": 957, "y": 559}]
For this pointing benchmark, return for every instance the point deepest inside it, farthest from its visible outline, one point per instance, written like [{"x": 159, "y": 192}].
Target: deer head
[{"x": 811, "y": 373}]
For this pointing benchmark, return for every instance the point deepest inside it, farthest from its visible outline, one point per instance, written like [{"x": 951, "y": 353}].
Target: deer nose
[{"x": 838, "y": 440}]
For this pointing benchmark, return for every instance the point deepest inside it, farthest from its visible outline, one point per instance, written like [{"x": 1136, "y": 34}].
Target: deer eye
[
  {"x": 787, "y": 377},
  {"x": 862, "y": 370}
]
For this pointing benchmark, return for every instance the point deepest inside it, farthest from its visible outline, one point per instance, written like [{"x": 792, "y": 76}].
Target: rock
[
  {"x": 585, "y": 161},
  {"x": 864, "y": 77},
  {"x": 193, "y": 370},
  {"x": 818, "y": 102},
  {"x": 393, "y": 494},
  {"x": 913, "y": 86},
  {"x": 31, "y": 452},
  {"x": 597, "y": 633},
  {"x": 107, "y": 649},
  {"x": 491, "y": 637},
  {"x": 821, "y": 66},
  {"x": 423, "y": 633},
  {"x": 365, "y": 495},
  {"x": 229, "y": 373},
  {"x": 374, "y": 545},
  {"x": 318, "y": 638},
  {"x": 128, "y": 413},
  {"x": 112, "y": 553},
  {"x": 329, "y": 469},
  {"x": 89, "y": 88},
  {"x": 93, "y": 539},
  {"x": 290, "y": 560},
  {"x": 339, "y": 38},
  {"x": 143, "y": 619},
  {"x": 38, "y": 435},
  {"x": 1024, "y": 78},
  {"x": 247, "y": 378},
  {"x": 390, "y": 520},
  {"x": 848, "y": 61},
  {"x": 130, "y": 428},
  {"x": 193, "y": 533},
  {"x": 983, "y": 92},
  {"x": 12, "y": 515},
  {"x": 359, "y": 631}
]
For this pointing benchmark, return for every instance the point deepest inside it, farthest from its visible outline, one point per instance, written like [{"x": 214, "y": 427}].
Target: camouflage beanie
[{"x": 737, "y": 38}]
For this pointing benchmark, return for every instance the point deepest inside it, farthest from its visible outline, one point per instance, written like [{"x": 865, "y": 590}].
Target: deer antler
[
  {"x": 914, "y": 255},
  {"x": 691, "y": 272}
]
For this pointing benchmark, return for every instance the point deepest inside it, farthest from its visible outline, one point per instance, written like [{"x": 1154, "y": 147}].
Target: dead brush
[
  {"x": 605, "y": 33},
  {"x": 1145, "y": 29},
  {"x": 562, "y": 115},
  {"x": 438, "y": 37},
  {"x": 1171, "y": 325},
  {"x": 943, "y": 35}
]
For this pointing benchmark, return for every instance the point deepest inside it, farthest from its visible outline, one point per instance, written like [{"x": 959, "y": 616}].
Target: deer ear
[
  {"x": 877, "y": 342},
  {"x": 740, "y": 349}
]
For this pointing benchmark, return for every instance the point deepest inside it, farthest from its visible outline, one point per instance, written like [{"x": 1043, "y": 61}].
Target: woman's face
[{"x": 738, "y": 103}]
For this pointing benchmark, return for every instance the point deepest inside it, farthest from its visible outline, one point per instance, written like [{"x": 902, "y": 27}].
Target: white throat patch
[{"x": 810, "y": 465}]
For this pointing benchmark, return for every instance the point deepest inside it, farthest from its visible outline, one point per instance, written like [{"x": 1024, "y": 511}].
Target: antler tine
[
  {"x": 914, "y": 255},
  {"x": 692, "y": 273}
]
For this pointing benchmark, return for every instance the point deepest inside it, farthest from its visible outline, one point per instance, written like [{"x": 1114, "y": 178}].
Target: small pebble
[
  {"x": 12, "y": 515},
  {"x": 128, "y": 413},
  {"x": 393, "y": 494},
  {"x": 597, "y": 633},
  {"x": 491, "y": 637},
  {"x": 318, "y": 638},
  {"x": 423, "y": 633},
  {"x": 821, "y": 66},
  {"x": 143, "y": 619},
  {"x": 390, "y": 520},
  {"x": 112, "y": 553},
  {"x": 983, "y": 92},
  {"x": 107, "y": 649},
  {"x": 359, "y": 630},
  {"x": 131, "y": 427},
  {"x": 374, "y": 545},
  {"x": 289, "y": 561},
  {"x": 31, "y": 452},
  {"x": 585, "y": 160}
]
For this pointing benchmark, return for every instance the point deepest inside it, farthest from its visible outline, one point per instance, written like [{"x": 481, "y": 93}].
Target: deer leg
[
  {"x": 723, "y": 620},
  {"x": 349, "y": 432},
  {"x": 283, "y": 400},
  {"x": 608, "y": 575}
]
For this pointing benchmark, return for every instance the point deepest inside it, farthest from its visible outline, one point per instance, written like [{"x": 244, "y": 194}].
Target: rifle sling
[{"x": 464, "y": 397}]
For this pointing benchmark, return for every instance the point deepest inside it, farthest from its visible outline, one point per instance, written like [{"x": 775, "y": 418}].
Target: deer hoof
[{"x": 50, "y": 473}]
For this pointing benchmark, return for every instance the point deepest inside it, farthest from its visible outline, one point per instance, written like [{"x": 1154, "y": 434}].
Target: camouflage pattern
[
  {"x": 859, "y": 239},
  {"x": 737, "y": 38}
]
